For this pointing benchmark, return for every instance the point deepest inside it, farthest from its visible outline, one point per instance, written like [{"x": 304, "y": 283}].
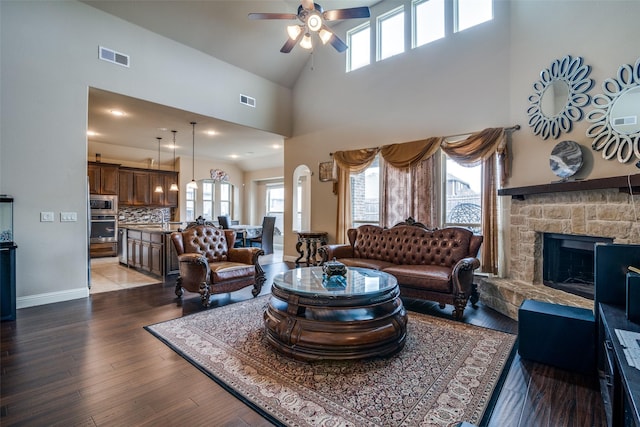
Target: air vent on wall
[
  {"x": 114, "y": 57},
  {"x": 247, "y": 100}
]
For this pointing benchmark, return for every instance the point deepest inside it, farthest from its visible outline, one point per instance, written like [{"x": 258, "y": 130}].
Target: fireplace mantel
[{"x": 622, "y": 183}]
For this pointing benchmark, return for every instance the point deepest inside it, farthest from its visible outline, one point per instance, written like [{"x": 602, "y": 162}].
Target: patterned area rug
[{"x": 446, "y": 373}]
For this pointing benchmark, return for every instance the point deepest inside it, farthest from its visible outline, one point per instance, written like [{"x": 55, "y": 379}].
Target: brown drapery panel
[
  {"x": 482, "y": 147},
  {"x": 410, "y": 153},
  {"x": 345, "y": 163}
]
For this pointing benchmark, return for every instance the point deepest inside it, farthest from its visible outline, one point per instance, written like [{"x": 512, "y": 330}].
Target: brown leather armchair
[{"x": 209, "y": 264}]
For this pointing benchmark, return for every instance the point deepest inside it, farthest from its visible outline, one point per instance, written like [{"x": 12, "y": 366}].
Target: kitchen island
[{"x": 148, "y": 248}]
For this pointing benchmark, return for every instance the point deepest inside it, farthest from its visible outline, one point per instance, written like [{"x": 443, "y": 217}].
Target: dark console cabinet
[{"x": 621, "y": 383}]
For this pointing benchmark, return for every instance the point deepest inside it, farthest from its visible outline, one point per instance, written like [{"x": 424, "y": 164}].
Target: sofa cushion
[
  {"x": 409, "y": 245},
  {"x": 432, "y": 277},
  {"x": 365, "y": 263},
  {"x": 225, "y": 271}
]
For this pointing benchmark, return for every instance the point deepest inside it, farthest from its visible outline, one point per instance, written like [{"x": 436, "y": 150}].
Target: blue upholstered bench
[{"x": 557, "y": 335}]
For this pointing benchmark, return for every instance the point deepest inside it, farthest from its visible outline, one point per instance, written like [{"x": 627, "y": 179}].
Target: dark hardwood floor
[{"x": 89, "y": 362}]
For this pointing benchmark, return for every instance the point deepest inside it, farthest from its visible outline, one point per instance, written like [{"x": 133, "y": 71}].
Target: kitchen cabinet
[
  {"x": 136, "y": 188},
  {"x": 103, "y": 249},
  {"x": 146, "y": 250},
  {"x": 103, "y": 178}
]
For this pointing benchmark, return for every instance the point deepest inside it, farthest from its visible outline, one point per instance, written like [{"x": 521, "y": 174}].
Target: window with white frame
[
  {"x": 191, "y": 204},
  {"x": 359, "y": 42},
  {"x": 469, "y": 13},
  {"x": 226, "y": 198},
  {"x": 365, "y": 195},
  {"x": 461, "y": 195},
  {"x": 390, "y": 32},
  {"x": 275, "y": 203},
  {"x": 428, "y": 21},
  {"x": 208, "y": 200}
]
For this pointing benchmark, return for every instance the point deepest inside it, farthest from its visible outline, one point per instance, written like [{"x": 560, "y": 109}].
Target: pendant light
[
  {"x": 158, "y": 187},
  {"x": 193, "y": 184},
  {"x": 174, "y": 186}
]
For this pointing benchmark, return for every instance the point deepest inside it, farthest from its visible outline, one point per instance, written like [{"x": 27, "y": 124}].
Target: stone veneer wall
[{"x": 601, "y": 213}]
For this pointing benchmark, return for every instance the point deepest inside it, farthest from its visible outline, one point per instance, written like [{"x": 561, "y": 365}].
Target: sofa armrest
[
  {"x": 462, "y": 275},
  {"x": 329, "y": 252},
  {"x": 244, "y": 255},
  {"x": 194, "y": 268}
]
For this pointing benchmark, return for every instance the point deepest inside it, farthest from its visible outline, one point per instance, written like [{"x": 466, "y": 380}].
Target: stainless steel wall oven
[{"x": 104, "y": 222}]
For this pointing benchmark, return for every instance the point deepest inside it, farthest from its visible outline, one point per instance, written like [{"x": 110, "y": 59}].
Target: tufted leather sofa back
[
  {"x": 206, "y": 240},
  {"x": 411, "y": 245}
]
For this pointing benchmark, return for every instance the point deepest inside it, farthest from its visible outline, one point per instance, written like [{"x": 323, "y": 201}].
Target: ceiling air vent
[
  {"x": 114, "y": 57},
  {"x": 247, "y": 100}
]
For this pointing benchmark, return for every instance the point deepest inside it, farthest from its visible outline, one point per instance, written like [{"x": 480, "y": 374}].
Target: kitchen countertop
[{"x": 153, "y": 227}]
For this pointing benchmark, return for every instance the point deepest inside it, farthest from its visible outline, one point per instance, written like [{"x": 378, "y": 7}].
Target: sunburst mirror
[
  {"x": 559, "y": 97},
  {"x": 616, "y": 125}
]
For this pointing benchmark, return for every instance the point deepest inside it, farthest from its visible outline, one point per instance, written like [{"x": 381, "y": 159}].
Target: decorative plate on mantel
[{"x": 566, "y": 159}]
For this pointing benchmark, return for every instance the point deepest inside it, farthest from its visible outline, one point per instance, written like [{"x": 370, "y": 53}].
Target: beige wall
[
  {"x": 475, "y": 79},
  {"x": 49, "y": 59}
]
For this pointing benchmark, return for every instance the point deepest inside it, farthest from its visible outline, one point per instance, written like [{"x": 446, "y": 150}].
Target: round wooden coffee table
[{"x": 310, "y": 318}]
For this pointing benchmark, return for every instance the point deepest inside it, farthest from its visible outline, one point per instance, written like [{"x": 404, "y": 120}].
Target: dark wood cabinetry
[
  {"x": 136, "y": 188},
  {"x": 103, "y": 178},
  {"x": 152, "y": 251}
]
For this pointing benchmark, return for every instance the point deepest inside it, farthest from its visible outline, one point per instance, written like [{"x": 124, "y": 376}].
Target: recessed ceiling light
[
  {"x": 117, "y": 113},
  {"x": 162, "y": 129},
  {"x": 91, "y": 133},
  {"x": 211, "y": 132},
  {"x": 234, "y": 156},
  {"x": 276, "y": 146}
]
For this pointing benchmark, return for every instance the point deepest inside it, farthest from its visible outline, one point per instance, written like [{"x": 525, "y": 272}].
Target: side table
[{"x": 310, "y": 240}]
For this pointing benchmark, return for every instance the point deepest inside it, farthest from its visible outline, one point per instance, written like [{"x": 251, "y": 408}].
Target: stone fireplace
[{"x": 601, "y": 213}]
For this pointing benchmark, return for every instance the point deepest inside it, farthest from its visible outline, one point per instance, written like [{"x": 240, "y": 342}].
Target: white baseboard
[{"x": 51, "y": 297}]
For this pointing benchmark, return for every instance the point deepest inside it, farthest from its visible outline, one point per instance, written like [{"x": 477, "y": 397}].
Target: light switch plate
[
  {"x": 46, "y": 216},
  {"x": 68, "y": 216}
]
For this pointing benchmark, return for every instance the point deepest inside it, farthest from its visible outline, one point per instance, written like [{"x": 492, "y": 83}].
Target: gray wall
[
  {"x": 49, "y": 59},
  {"x": 479, "y": 78}
]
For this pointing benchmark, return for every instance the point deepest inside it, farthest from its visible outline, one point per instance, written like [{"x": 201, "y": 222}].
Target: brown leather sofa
[
  {"x": 429, "y": 264},
  {"x": 209, "y": 264}
]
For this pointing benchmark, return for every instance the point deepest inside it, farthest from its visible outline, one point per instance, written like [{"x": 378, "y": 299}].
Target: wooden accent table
[
  {"x": 311, "y": 239},
  {"x": 309, "y": 319}
]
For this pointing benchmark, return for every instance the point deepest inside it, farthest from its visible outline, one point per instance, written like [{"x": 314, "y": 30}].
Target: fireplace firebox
[{"x": 568, "y": 262}]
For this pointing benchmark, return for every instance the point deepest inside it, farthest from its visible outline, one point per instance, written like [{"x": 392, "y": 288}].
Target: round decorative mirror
[
  {"x": 559, "y": 97},
  {"x": 565, "y": 159},
  {"x": 616, "y": 117}
]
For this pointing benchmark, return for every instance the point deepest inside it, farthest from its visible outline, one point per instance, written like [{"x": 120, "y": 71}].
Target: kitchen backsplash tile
[{"x": 131, "y": 215}]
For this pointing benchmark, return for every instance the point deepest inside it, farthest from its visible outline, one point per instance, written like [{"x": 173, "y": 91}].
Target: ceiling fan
[{"x": 314, "y": 20}]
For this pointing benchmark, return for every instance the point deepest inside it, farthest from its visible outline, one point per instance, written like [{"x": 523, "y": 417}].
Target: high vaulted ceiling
[{"x": 221, "y": 29}]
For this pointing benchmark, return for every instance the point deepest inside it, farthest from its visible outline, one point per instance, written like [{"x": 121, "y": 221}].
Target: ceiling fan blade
[
  {"x": 338, "y": 44},
  {"x": 289, "y": 44},
  {"x": 354, "y": 12},
  {"x": 308, "y": 4},
  {"x": 272, "y": 16}
]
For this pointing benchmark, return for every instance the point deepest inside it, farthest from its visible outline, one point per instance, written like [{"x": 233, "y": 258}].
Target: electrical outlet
[
  {"x": 68, "y": 216},
  {"x": 46, "y": 216}
]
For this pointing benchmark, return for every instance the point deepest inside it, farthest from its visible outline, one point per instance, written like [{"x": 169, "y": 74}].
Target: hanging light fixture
[
  {"x": 174, "y": 186},
  {"x": 193, "y": 184},
  {"x": 158, "y": 187}
]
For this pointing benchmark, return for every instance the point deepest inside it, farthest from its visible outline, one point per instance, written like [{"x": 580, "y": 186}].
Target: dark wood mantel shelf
[{"x": 623, "y": 183}]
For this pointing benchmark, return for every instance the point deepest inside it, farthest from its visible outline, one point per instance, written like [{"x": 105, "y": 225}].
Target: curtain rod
[{"x": 507, "y": 129}]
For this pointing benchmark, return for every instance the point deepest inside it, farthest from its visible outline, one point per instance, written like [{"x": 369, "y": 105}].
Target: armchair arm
[
  {"x": 194, "y": 269},
  {"x": 462, "y": 275},
  {"x": 329, "y": 252},
  {"x": 244, "y": 255}
]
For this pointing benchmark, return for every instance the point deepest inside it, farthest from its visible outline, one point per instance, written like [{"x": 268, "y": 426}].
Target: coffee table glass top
[{"x": 311, "y": 281}]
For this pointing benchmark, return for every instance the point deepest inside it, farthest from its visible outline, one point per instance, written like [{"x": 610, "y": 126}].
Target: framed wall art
[{"x": 326, "y": 171}]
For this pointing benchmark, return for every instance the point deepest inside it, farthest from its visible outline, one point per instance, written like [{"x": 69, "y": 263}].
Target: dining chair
[
  {"x": 265, "y": 239},
  {"x": 225, "y": 224}
]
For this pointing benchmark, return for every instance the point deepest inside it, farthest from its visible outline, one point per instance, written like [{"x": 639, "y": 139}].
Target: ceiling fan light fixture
[
  {"x": 305, "y": 43},
  {"x": 294, "y": 31},
  {"x": 314, "y": 21},
  {"x": 325, "y": 35}
]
